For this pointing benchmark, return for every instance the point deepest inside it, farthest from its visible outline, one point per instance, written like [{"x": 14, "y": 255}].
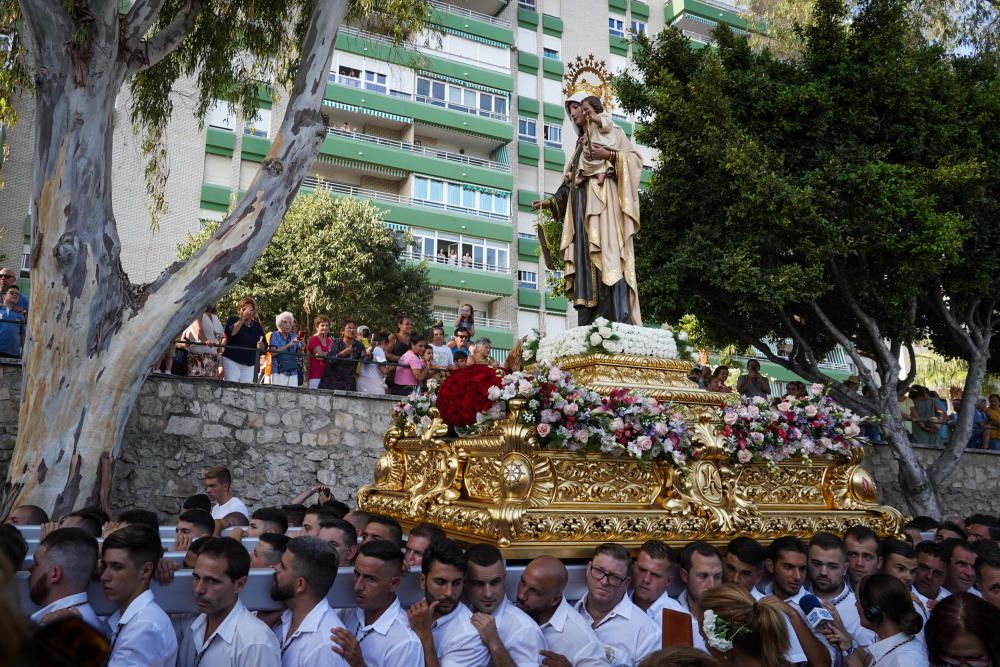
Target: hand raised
[
  {"x": 347, "y": 647},
  {"x": 421, "y": 617}
]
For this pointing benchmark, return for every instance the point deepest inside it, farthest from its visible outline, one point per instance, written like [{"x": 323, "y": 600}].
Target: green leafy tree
[
  {"x": 833, "y": 198},
  {"x": 332, "y": 255},
  {"x": 92, "y": 334}
]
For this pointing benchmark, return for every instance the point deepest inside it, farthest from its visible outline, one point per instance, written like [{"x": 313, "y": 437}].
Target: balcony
[
  {"x": 481, "y": 322},
  {"x": 469, "y": 265},
  {"x": 468, "y": 13},
  {"x": 428, "y": 50},
  {"x": 421, "y": 150}
]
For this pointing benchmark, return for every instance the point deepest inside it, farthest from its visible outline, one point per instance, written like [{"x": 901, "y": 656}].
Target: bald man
[{"x": 571, "y": 641}]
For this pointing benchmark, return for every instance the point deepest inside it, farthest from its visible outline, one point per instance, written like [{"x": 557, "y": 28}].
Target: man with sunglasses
[
  {"x": 628, "y": 634},
  {"x": 8, "y": 278},
  {"x": 460, "y": 341}
]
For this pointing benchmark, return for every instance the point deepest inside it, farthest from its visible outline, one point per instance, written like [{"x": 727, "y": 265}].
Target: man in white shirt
[
  {"x": 267, "y": 520},
  {"x": 225, "y": 633},
  {"x": 442, "y": 622},
  {"x": 863, "y": 557},
  {"x": 653, "y": 572},
  {"x": 377, "y": 632},
  {"x": 899, "y": 560},
  {"x": 218, "y": 481},
  {"x": 64, "y": 563},
  {"x": 786, "y": 563},
  {"x": 141, "y": 633},
  {"x": 744, "y": 564},
  {"x": 931, "y": 571},
  {"x": 417, "y": 542},
  {"x": 302, "y": 579},
  {"x": 570, "y": 639},
  {"x": 511, "y": 637},
  {"x": 341, "y": 535},
  {"x": 960, "y": 577},
  {"x": 627, "y": 633},
  {"x": 827, "y": 569},
  {"x": 267, "y": 552},
  {"x": 700, "y": 570}
]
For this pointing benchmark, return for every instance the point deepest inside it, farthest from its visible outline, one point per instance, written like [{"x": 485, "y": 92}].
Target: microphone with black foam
[{"x": 816, "y": 613}]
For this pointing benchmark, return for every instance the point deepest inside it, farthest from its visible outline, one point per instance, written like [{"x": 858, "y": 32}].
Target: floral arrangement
[
  {"x": 415, "y": 409},
  {"x": 574, "y": 418},
  {"x": 719, "y": 633},
  {"x": 463, "y": 394},
  {"x": 754, "y": 429},
  {"x": 604, "y": 337}
]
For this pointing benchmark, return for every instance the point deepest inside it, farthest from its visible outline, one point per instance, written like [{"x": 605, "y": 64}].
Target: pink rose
[
  {"x": 570, "y": 409},
  {"x": 644, "y": 442},
  {"x": 581, "y": 436},
  {"x": 660, "y": 428},
  {"x": 543, "y": 430},
  {"x": 731, "y": 417},
  {"x": 744, "y": 456},
  {"x": 811, "y": 411}
]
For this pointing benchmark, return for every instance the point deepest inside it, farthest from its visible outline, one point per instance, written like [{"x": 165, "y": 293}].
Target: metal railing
[
  {"x": 454, "y": 106},
  {"x": 428, "y": 48},
  {"x": 462, "y": 11},
  {"x": 697, "y": 37},
  {"x": 484, "y": 322},
  {"x": 419, "y": 150},
  {"x": 365, "y": 193},
  {"x": 468, "y": 265}
]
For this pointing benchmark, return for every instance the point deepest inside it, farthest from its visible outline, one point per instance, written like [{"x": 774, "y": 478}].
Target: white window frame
[
  {"x": 550, "y": 131},
  {"x": 219, "y": 117},
  {"x": 638, "y": 27},
  {"x": 551, "y": 54},
  {"x": 484, "y": 204},
  {"x": 259, "y": 125},
  {"x": 479, "y": 96},
  {"x": 616, "y": 26},
  {"x": 527, "y": 4},
  {"x": 527, "y": 279},
  {"x": 347, "y": 80},
  {"x": 531, "y": 124},
  {"x": 376, "y": 82},
  {"x": 479, "y": 248}
]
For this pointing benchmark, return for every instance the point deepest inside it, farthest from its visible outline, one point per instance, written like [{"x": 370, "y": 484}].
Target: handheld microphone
[{"x": 816, "y": 613}]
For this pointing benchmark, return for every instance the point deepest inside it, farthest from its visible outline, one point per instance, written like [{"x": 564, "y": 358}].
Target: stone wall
[{"x": 278, "y": 441}]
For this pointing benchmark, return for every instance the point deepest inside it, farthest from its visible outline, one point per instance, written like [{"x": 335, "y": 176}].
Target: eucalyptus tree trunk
[{"x": 92, "y": 336}]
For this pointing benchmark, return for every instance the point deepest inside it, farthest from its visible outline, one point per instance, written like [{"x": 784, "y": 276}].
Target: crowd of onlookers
[{"x": 928, "y": 597}]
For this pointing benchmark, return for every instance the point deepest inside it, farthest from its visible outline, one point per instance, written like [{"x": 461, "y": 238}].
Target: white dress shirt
[
  {"x": 389, "y": 641},
  {"x": 627, "y": 633},
  {"x": 457, "y": 641},
  {"x": 847, "y": 609},
  {"x": 142, "y": 636},
  {"x": 80, "y": 602},
  {"x": 241, "y": 640},
  {"x": 519, "y": 634},
  {"x": 310, "y": 645},
  {"x": 655, "y": 610},
  {"x": 901, "y": 650},
  {"x": 568, "y": 634},
  {"x": 796, "y": 653},
  {"x": 234, "y": 504}
]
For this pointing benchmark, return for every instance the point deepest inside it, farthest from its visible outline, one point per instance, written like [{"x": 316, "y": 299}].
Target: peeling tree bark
[{"x": 90, "y": 341}]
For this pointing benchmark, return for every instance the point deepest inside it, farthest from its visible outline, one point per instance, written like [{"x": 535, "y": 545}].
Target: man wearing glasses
[
  {"x": 8, "y": 278},
  {"x": 628, "y": 634},
  {"x": 460, "y": 341}
]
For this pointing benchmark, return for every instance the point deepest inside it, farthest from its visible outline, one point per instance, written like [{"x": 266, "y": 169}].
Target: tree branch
[
  {"x": 48, "y": 29},
  {"x": 844, "y": 342},
  {"x": 912, "y": 372},
  {"x": 141, "y": 17},
  {"x": 149, "y": 53},
  {"x": 869, "y": 323},
  {"x": 958, "y": 333}
]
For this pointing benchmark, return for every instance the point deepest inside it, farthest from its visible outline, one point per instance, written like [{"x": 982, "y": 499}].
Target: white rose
[
  {"x": 604, "y": 331},
  {"x": 595, "y": 339},
  {"x": 682, "y": 336}
]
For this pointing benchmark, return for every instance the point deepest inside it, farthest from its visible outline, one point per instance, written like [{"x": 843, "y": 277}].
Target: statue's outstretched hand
[{"x": 539, "y": 203}]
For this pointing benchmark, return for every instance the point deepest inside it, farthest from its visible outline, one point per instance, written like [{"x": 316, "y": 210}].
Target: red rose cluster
[{"x": 463, "y": 394}]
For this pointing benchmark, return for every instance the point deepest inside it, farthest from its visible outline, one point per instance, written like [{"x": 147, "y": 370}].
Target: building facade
[{"x": 452, "y": 136}]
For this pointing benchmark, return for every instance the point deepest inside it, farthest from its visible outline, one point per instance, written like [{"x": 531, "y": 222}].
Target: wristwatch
[{"x": 848, "y": 652}]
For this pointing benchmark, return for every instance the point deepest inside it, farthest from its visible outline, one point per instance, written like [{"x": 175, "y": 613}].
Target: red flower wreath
[{"x": 464, "y": 393}]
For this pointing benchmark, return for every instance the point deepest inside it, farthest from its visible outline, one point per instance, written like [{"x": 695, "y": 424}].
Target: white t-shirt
[
  {"x": 371, "y": 370},
  {"x": 457, "y": 641},
  {"x": 80, "y": 602},
  {"x": 519, "y": 634},
  {"x": 310, "y": 645},
  {"x": 234, "y": 504},
  {"x": 442, "y": 356}
]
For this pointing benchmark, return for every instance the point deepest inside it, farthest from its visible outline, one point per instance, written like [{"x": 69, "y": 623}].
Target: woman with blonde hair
[{"x": 740, "y": 631}]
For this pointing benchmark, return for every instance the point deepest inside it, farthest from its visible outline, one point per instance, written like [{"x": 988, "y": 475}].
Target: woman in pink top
[
  {"x": 414, "y": 367},
  {"x": 318, "y": 346}
]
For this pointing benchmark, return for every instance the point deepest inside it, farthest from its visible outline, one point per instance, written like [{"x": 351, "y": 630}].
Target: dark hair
[
  {"x": 145, "y": 517},
  {"x": 220, "y": 473},
  {"x": 443, "y": 551},
  {"x": 319, "y": 510},
  {"x": 748, "y": 550},
  {"x": 658, "y": 550},
  {"x": 428, "y": 530},
  {"x": 382, "y": 550},
  {"x": 827, "y": 541},
  {"x": 593, "y": 101},
  {"x": 379, "y": 337},
  {"x": 460, "y": 354},
  {"x": 395, "y": 530},
  {"x": 273, "y": 515},
  {"x": 415, "y": 339},
  {"x": 198, "y": 543},
  {"x": 991, "y": 561},
  {"x": 924, "y": 523},
  {"x": 350, "y": 534},
  {"x": 860, "y": 534},
  {"x": 960, "y": 613},
  {"x": 458, "y": 329},
  {"x": 236, "y": 555},
  {"x": 893, "y": 547},
  {"x": 277, "y": 542},
  {"x": 928, "y": 547},
  {"x": 295, "y": 514},
  {"x": 699, "y": 547},
  {"x": 91, "y": 521},
  {"x": 884, "y": 596},
  {"x": 13, "y": 546},
  {"x": 953, "y": 527},
  {"x": 75, "y": 551},
  {"x": 981, "y": 520},
  {"x": 786, "y": 543},
  {"x": 142, "y": 544},
  {"x": 198, "y": 501},
  {"x": 483, "y": 555},
  {"x": 315, "y": 560},
  {"x": 36, "y": 515},
  {"x": 404, "y": 316},
  {"x": 338, "y": 508},
  {"x": 200, "y": 518},
  {"x": 616, "y": 551},
  {"x": 948, "y": 547},
  {"x": 679, "y": 656}
]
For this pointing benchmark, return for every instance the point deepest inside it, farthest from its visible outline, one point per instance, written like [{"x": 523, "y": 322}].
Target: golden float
[{"x": 502, "y": 488}]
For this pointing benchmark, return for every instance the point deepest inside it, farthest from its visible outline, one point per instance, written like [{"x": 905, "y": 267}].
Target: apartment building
[{"x": 452, "y": 137}]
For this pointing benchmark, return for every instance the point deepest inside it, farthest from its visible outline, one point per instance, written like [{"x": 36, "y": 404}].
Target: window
[
  {"x": 461, "y": 98},
  {"x": 616, "y": 27},
  {"x": 527, "y": 279},
  {"x": 551, "y": 54},
  {"x": 526, "y": 4},
  {"x": 638, "y": 27},
  {"x": 218, "y": 116},
  {"x": 260, "y": 126},
  {"x": 527, "y": 130},
  {"x": 465, "y": 251},
  {"x": 349, "y": 76},
  {"x": 461, "y": 197},
  {"x": 375, "y": 81},
  {"x": 553, "y": 135}
]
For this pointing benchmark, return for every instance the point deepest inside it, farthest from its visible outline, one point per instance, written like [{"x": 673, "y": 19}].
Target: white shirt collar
[
  {"x": 623, "y": 608},
  {"x": 383, "y": 623},
  {"x": 226, "y": 629},
  {"x": 559, "y": 617},
  {"x": 309, "y": 624},
  {"x": 879, "y": 649},
  {"x": 74, "y": 600},
  {"x": 144, "y": 600},
  {"x": 449, "y": 617}
]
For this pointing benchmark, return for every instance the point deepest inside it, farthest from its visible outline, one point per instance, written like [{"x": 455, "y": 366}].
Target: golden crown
[{"x": 591, "y": 76}]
